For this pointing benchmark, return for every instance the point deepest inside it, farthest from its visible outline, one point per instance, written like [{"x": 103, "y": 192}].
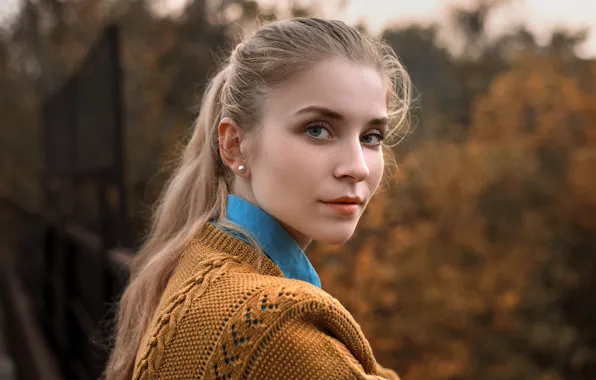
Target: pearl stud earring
[{"x": 242, "y": 168}]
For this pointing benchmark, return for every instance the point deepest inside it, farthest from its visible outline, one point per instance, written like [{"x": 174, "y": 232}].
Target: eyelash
[{"x": 320, "y": 124}]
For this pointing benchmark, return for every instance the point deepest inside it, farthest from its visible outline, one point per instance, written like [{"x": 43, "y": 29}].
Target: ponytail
[{"x": 196, "y": 193}]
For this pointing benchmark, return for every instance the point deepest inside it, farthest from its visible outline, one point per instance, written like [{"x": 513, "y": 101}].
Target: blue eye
[
  {"x": 373, "y": 139},
  {"x": 318, "y": 132}
]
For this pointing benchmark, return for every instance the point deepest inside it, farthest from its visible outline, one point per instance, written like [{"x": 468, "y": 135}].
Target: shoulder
[
  {"x": 293, "y": 329},
  {"x": 224, "y": 328},
  {"x": 262, "y": 300}
]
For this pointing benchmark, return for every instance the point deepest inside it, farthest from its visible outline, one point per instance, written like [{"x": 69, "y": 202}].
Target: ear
[{"x": 230, "y": 137}]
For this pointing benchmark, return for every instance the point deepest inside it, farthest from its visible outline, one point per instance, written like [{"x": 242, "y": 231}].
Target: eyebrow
[{"x": 375, "y": 122}]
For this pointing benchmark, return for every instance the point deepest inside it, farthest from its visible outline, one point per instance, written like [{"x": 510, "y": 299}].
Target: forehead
[{"x": 356, "y": 91}]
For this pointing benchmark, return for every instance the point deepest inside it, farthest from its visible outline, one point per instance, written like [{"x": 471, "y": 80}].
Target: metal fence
[{"x": 67, "y": 262}]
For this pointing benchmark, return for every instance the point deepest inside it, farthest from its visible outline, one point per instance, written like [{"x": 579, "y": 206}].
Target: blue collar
[{"x": 277, "y": 243}]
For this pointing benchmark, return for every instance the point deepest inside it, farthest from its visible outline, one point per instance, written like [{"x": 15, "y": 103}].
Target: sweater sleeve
[
  {"x": 300, "y": 350},
  {"x": 285, "y": 330},
  {"x": 310, "y": 336}
]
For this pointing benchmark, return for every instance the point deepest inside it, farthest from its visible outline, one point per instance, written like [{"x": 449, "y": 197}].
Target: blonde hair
[{"x": 198, "y": 189}]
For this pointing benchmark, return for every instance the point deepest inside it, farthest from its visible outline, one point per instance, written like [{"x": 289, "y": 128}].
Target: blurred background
[{"x": 478, "y": 261}]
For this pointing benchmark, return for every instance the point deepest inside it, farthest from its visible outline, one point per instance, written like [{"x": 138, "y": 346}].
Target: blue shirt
[{"x": 277, "y": 243}]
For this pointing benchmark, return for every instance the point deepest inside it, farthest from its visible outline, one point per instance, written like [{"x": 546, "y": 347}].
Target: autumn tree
[{"x": 475, "y": 263}]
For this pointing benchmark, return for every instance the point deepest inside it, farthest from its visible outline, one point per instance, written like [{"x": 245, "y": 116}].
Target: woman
[{"x": 287, "y": 149}]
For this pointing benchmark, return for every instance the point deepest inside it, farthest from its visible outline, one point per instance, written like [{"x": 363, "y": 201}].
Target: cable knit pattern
[{"x": 228, "y": 313}]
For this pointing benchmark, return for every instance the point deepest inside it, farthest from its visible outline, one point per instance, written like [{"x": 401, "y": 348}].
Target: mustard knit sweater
[{"x": 229, "y": 313}]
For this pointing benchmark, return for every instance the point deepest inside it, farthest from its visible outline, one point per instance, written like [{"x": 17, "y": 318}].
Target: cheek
[{"x": 284, "y": 166}]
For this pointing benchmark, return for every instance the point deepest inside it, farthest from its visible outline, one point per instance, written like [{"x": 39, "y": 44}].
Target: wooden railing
[
  {"x": 58, "y": 295},
  {"x": 67, "y": 266}
]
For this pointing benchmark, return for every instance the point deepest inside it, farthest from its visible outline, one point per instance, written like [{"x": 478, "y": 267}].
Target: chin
[{"x": 333, "y": 236}]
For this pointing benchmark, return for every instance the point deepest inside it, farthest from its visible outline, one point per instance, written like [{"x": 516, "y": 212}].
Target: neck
[{"x": 302, "y": 240}]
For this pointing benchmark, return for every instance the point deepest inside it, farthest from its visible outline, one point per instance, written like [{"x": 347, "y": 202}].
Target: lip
[
  {"x": 346, "y": 199},
  {"x": 347, "y": 205},
  {"x": 343, "y": 208}
]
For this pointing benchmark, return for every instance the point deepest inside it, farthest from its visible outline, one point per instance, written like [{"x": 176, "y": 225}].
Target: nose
[{"x": 352, "y": 163}]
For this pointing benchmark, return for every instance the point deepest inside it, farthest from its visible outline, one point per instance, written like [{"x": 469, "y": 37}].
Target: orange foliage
[{"x": 447, "y": 273}]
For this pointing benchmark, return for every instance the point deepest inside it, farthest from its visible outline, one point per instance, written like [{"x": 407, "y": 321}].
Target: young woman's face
[{"x": 317, "y": 158}]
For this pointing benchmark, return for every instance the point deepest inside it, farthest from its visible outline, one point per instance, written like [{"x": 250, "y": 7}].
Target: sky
[{"x": 541, "y": 16}]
